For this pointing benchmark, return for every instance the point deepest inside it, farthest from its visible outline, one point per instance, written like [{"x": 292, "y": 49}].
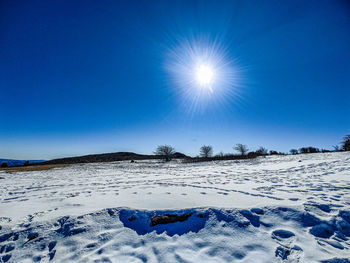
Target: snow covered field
[{"x": 273, "y": 209}]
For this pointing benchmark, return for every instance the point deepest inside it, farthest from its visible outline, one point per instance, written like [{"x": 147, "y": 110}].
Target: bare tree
[
  {"x": 206, "y": 151},
  {"x": 262, "y": 151},
  {"x": 166, "y": 151},
  {"x": 293, "y": 151},
  {"x": 346, "y": 143},
  {"x": 241, "y": 148}
]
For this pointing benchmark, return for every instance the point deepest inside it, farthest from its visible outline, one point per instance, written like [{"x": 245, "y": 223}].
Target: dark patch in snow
[
  {"x": 52, "y": 254},
  {"x": 254, "y": 219},
  {"x": 324, "y": 207},
  {"x": 37, "y": 259},
  {"x": 345, "y": 215},
  {"x": 169, "y": 218},
  {"x": 6, "y": 248},
  {"x": 6, "y": 257},
  {"x": 323, "y": 230},
  {"x": 142, "y": 223},
  {"x": 110, "y": 212},
  {"x": 132, "y": 218},
  {"x": 92, "y": 245},
  {"x": 52, "y": 244},
  {"x": 5, "y": 237},
  {"x": 336, "y": 260},
  {"x": 31, "y": 236},
  {"x": 201, "y": 215},
  {"x": 257, "y": 211}
]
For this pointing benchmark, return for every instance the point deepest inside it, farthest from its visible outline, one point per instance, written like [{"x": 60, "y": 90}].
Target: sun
[
  {"x": 204, "y": 75},
  {"x": 203, "y": 72}
]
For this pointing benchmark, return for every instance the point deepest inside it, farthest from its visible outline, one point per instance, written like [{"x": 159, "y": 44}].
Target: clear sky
[{"x": 80, "y": 77}]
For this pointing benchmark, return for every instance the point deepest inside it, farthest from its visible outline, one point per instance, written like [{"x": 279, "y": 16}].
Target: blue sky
[{"x": 80, "y": 77}]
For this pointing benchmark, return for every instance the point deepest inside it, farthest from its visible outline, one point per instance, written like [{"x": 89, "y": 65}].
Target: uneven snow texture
[{"x": 274, "y": 209}]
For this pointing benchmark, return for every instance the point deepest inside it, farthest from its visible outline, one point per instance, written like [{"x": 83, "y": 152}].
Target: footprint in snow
[
  {"x": 294, "y": 199},
  {"x": 282, "y": 234},
  {"x": 287, "y": 249},
  {"x": 292, "y": 254}
]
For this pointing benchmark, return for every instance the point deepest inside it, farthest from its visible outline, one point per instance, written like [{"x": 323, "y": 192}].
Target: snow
[{"x": 273, "y": 209}]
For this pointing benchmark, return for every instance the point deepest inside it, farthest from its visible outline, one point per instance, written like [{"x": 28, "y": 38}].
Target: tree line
[{"x": 206, "y": 152}]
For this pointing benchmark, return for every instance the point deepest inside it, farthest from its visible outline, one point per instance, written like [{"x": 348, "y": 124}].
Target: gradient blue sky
[{"x": 80, "y": 77}]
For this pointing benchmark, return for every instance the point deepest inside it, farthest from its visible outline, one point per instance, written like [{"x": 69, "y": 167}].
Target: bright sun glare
[
  {"x": 203, "y": 71},
  {"x": 204, "y": 75}
]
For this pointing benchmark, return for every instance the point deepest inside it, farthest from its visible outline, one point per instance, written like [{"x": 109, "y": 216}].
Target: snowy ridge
[{"x": 275, "y": 209}]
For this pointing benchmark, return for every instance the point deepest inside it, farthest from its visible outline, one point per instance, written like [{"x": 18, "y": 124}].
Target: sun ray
[{"x": 202, "y": 72}]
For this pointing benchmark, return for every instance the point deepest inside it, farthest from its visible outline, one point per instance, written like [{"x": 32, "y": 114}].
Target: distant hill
[
  {"x": 109, "y": 157},
  {"x": 11, "y": 162}
]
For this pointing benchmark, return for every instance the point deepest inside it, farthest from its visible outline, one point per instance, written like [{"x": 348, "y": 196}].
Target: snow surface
[{"x": 273, "y": 209}]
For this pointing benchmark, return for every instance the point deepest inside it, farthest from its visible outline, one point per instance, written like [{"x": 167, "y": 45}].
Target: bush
[
  {"x": 309, "y": 150},
  {"x": 220, "y": 154},
  {"x": 313, "y": 150},
  {"x": 252, "y": 155},
  {"x": 4, "y": 165},
  {"x": 262, "y": 151}
]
